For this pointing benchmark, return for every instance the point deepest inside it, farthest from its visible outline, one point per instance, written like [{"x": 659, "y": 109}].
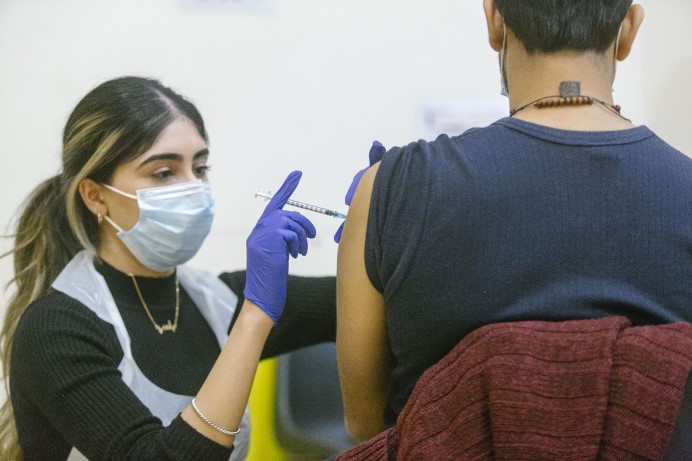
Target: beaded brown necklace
[{"x": 570, "y": 95}]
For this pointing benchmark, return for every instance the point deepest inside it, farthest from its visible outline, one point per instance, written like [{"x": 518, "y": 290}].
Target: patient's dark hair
[{"x": 548, "y": 26}]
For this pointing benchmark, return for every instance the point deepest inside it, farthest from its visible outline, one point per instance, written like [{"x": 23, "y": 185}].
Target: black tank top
[{"x": 517, "y": 221}]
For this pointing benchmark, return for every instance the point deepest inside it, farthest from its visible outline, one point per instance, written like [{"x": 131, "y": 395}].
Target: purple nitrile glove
[
  {"x": 376, "y": 153},
  {"x": 277, "y": 234}
]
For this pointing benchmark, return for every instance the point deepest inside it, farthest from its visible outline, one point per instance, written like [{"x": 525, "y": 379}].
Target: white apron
[{"x": 215, "y": 301}]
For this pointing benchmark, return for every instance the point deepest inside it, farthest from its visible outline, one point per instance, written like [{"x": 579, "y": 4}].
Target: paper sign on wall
[
  {"x": 454, "y": 117},
  {"x": 253, "y": 6}
]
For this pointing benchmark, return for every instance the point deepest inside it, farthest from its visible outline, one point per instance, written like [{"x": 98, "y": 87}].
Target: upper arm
[{"x": 363, "y": 353}]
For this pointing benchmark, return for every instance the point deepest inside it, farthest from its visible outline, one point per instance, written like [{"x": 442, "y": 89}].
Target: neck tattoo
[
  {"x": 168, "y": 326},
  {"x": 570, "y": 95}
]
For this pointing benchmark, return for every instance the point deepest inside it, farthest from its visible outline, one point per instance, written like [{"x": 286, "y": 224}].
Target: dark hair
[
  {"x": 114, "y": 123},
  {"x": 559, "y": 25}
]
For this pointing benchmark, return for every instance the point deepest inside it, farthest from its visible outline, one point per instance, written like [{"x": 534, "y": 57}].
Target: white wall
[{"x": 307, "y": 87}]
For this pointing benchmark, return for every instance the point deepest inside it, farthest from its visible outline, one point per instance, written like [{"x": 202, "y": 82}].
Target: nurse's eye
[
  {"x": 202, "y": 171},
  {"x": 162, "y": 173}
]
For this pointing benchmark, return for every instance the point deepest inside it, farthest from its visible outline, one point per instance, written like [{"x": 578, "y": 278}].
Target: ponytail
[{"x": 44, "y": 244}]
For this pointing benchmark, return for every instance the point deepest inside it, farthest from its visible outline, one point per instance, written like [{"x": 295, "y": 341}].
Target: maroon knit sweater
[{"x": 577, "y": 390}]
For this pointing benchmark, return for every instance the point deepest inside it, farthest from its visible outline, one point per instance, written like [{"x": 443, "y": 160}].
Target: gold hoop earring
[{"x": 99, "y": 218}]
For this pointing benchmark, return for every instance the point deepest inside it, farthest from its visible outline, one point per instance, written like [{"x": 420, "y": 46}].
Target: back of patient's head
[{"x": 548, "y": 26}]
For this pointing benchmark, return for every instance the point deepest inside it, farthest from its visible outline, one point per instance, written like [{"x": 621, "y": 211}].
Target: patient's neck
[{"x": 534, "y": 76}]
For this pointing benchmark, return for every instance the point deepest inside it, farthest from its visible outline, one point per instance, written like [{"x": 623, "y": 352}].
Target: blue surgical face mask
[{"x": 173, "y": 223}]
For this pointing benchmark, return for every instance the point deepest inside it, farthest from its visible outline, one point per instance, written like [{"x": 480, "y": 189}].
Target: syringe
[{"x": 304, "y": 206}]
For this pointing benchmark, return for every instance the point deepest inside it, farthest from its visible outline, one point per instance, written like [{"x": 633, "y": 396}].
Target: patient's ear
[
  {"x": 496, "y": 25},
  {"x": 630, "y": 27}
]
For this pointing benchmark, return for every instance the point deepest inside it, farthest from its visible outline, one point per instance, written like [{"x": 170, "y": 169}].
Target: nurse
[{"x": 114, "y": 348}]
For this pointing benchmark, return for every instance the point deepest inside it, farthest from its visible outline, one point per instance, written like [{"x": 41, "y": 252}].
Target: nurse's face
[{"x": 179, "y": 155}]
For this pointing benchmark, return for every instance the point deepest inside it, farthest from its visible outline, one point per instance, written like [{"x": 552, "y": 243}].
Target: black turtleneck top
[{"x": 66, "y": 389}]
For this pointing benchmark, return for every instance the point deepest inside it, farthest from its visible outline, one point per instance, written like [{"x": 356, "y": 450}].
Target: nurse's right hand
[{"x": 277, "y": 234}]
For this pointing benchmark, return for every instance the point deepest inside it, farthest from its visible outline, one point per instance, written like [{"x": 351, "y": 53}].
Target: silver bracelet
[{"x": 211, "y": 423}]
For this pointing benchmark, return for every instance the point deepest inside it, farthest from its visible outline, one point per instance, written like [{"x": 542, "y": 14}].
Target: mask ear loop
[
  {"x": 118, "y": 191},
  {"x": 106, "y": 217},
  {"x": 112, "y": 223},
  {"x": 615, "y": 57},
  {"x": 503, "y": 77}
]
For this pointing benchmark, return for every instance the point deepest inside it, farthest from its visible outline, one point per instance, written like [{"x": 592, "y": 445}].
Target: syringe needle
[{"x": 304, "y": 206}]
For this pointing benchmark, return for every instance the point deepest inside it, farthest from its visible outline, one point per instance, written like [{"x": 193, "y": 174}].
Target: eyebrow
[{"x": 172, "y": 156}]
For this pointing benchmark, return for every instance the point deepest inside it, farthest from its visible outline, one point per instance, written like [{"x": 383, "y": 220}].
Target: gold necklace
[{"x": 168, "y": 326}]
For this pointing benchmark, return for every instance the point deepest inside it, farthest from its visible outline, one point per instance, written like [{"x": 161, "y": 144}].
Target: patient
[{"x": 563, "y": 210}]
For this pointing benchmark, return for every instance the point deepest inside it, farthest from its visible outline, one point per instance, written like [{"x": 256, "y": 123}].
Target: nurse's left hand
[
  {"x": 376, "y": 153},
  {"x": 277, "y": 234}
]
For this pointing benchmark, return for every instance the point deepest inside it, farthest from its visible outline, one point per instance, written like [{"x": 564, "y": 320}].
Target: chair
[
  {"x": 296, "y": 409},
  {"x": 309, "y": 415}
]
